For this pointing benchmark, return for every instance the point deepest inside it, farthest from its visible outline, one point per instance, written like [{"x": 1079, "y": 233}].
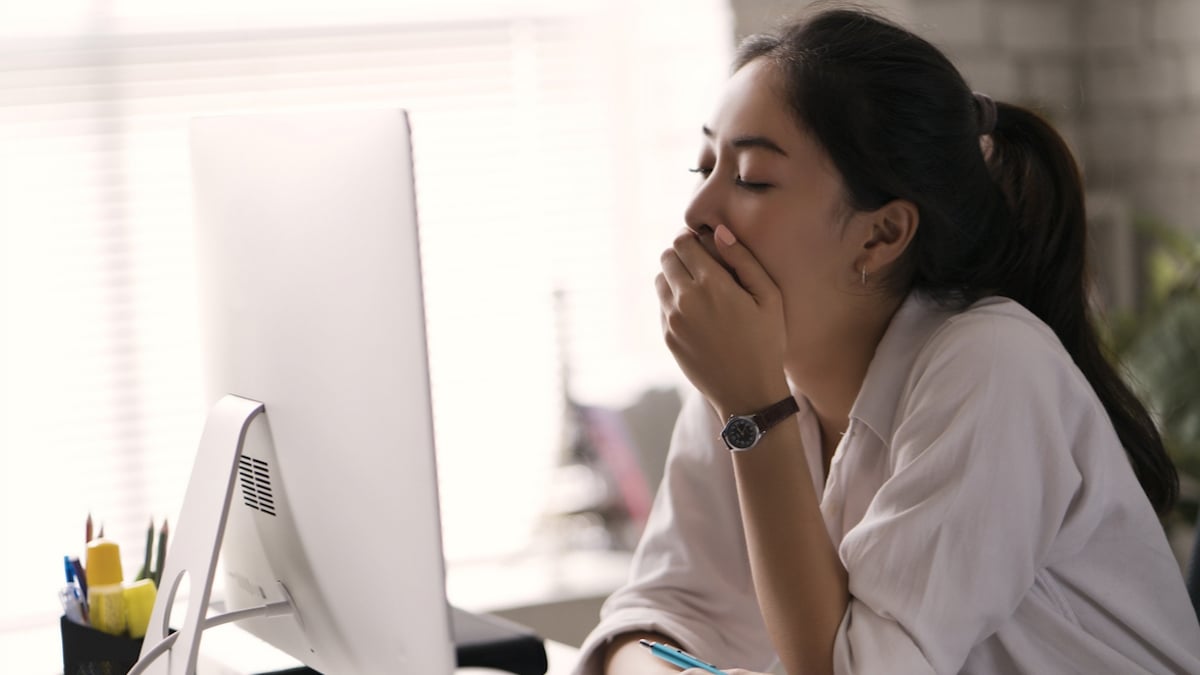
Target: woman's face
[{"x": 768, "y": 181}]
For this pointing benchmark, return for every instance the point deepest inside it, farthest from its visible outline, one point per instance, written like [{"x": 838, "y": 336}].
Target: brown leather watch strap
[{"x": 775, "y": 413}]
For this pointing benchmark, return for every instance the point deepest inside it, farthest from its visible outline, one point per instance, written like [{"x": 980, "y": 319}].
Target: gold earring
[{"x": 864, "y": 275}]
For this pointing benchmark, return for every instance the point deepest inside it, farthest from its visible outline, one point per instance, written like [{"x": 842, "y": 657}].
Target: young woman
[{"x": 906, "y": 452}]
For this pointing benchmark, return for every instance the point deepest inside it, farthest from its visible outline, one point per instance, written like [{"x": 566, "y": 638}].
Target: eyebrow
[{"x": 751, "y": 142}]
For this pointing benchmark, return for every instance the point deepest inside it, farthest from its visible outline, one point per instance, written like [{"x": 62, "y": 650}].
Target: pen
[
  {"x": 72, "y": 604},
  {"x": 679, "y": 658},
  {"x": 80, "y": 576}
]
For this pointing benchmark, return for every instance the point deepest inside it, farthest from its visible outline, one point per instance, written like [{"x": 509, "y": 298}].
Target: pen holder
[{"x": 87, "y": 651}]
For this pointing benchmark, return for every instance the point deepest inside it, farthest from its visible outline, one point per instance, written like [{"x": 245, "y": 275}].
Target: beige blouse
[{"x": 981, "y": 502}]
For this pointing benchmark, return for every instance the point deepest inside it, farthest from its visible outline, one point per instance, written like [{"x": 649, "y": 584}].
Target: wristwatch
[{"x": 743, "y": 432}]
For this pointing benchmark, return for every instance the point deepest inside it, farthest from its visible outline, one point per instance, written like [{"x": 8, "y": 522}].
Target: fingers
[
  {"x": 691, "y": 253},
  {"x": 747, "y": 268},
  {"x": 674, "y": 269},
  {"x": 668, "y": 306},
  {"x": 696, "y": 257},
  {"x": 666, "y": 296}
]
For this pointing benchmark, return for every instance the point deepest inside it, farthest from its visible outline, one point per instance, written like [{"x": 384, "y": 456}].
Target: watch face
[{"x": 740, "y": 433}]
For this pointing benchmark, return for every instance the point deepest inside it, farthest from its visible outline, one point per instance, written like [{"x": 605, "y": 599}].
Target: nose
[{"x": 705, "y": 210}]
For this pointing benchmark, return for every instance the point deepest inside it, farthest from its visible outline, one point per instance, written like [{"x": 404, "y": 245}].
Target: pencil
[
  {"x": 145, "y": 571},
  {"x": 89, "y": 529},
  {"x": 162, "y": 554}
]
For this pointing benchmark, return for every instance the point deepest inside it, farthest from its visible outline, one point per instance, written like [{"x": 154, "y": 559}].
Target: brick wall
[
  {"x": 1141, "y": 64},
  {"x": 1119, "y": 78}
]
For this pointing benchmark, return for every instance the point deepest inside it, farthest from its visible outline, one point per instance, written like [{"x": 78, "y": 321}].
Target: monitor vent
[{"x": 256, "y": 484}]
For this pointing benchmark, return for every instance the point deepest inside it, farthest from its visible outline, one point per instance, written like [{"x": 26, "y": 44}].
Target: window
[{"x": 550, "y": 153}]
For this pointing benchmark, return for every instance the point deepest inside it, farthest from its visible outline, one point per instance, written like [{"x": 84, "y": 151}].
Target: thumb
[{"x": 749, "y": 271}]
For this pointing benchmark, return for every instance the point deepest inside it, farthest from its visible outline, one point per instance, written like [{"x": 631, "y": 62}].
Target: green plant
[{"x": 1160, "y": 343}]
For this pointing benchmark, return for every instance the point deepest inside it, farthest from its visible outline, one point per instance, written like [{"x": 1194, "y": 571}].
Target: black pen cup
[{"x": 87, "y": 651}]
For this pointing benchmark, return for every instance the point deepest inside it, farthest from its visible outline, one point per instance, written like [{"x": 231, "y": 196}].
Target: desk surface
[
  {"x": 39, "y": 652},
  {"x": 244, "y": 653}
]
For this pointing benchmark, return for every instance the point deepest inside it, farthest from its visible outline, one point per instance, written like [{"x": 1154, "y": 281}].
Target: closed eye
[
  {"x": 744, "y": 184},
  {"x": 753, "y": 187}
]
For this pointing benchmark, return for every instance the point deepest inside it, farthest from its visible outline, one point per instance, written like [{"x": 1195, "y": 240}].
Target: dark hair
[{"x": 900, "y": 122}]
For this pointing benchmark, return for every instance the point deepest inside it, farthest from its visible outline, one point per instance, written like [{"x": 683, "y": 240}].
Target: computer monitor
[{"x": 316, "y": 466}]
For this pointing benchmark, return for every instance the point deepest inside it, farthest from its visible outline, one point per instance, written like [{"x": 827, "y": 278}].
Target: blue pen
[
  {"x": 80, "y": 576},
  {"x": 679, "y": 658},
  {"x": 72, "y": 604}
]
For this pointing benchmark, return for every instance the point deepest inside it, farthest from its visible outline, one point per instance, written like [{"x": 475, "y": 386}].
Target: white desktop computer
[{"x": 315, "y": 480}]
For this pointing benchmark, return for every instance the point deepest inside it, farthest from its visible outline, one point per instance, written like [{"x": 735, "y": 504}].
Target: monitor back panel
[{"x": 311, "y": 302}]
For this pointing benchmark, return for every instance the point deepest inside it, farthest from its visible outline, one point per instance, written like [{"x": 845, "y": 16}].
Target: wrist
[
  {"x": 752, "y": 402},
  {"x": 744, "y": 431}
]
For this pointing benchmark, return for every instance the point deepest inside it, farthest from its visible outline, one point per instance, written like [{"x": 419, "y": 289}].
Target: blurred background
[{"x": 551, "y": 146}]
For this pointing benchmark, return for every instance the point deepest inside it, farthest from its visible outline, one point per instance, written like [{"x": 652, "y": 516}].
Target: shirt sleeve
[
  {"x": 981, "y": 480},
  {"x": 690, "y": 576}
]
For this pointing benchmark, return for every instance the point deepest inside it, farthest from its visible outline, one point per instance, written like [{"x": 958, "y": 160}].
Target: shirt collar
[{"x": 910, "y": 328}]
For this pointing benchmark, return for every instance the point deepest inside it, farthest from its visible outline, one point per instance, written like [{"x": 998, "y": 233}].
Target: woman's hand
[{"x": 726, "y": 330}]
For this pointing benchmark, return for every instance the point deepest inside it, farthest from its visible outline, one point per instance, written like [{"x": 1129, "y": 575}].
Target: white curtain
[{"x": 551, "y": 143}]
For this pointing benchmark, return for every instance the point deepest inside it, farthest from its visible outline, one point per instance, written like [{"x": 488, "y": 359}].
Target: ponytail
[
  {"x": 899, "y": 122},
  {"x": 1045, "y": 271}
]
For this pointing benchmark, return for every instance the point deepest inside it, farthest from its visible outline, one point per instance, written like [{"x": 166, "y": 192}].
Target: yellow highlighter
[
  {"x": 139, "y": 603},
  {"x": 106, "y": 598}
]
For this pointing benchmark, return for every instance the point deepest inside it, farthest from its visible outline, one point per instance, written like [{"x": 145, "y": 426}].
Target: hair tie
[{"x": 987, "y": 113}]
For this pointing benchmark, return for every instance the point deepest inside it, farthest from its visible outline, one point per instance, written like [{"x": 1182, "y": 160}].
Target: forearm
[
  {"x": 625, "y": 656},
  {"x": 798, "y": 578}
]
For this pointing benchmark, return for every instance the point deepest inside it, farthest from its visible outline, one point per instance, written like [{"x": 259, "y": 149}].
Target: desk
[
  {"x": 39, "y": 652},
  {"x": 243, "y": 654}
]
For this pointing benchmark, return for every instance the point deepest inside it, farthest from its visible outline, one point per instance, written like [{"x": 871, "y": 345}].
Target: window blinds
[{"x": 549, "y": 153}]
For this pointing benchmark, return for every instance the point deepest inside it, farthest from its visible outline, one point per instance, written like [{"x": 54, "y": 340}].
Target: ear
[{"x": 891, "y": 229}]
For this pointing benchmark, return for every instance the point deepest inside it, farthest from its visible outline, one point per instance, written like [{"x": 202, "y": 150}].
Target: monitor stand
[
  {"x": 480, "y": 640},
  {"x": 198, "y": 535}
]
